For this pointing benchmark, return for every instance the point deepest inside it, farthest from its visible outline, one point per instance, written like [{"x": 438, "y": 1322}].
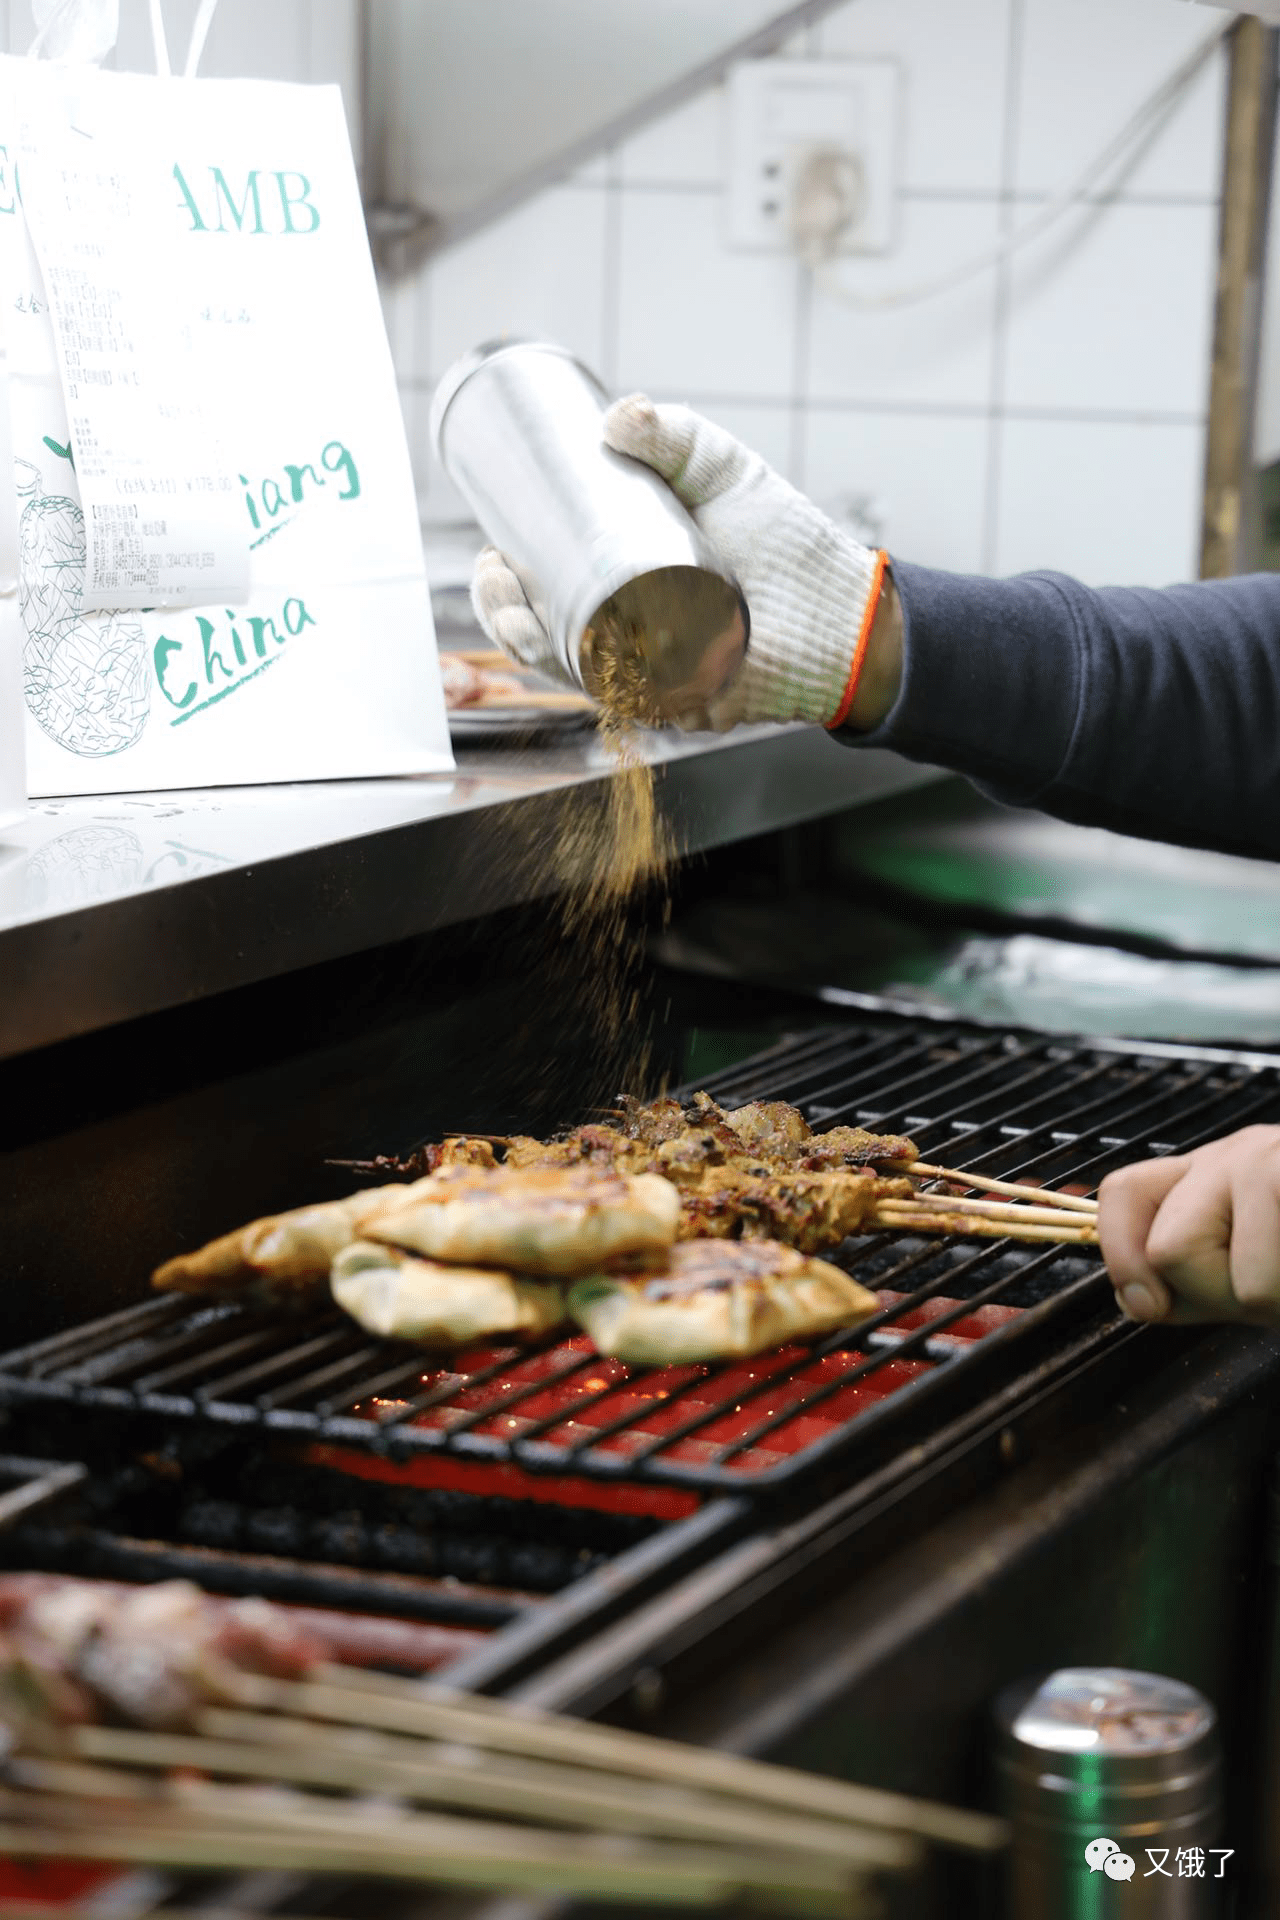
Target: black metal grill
[{"x": 560, "y": 1422}]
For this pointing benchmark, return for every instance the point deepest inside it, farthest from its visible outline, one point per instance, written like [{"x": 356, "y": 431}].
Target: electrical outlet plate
[{"x": 780, "y": 112}]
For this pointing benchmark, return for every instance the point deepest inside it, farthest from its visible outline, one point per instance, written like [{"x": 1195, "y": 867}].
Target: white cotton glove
[{"x": 810, "y": 588}]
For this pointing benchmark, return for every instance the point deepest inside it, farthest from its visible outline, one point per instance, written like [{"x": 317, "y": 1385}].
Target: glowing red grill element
[{"x": 578, "y": 1397}]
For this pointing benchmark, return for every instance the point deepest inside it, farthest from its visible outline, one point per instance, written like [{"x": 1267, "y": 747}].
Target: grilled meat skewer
[{"x": 764, "y": 1137}]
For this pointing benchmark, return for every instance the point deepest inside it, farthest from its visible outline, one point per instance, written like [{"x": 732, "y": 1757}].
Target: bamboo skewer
[
  {"x": 903, "y": 1214},
  {"x": 269, "y": 1747},
  {"x": 360, "y": 1697},
  {"x": 786, "y": 1883},
  {"x": 1041, "y": 1196},
  {"x": 483, "y": 657},
  {"x": 995, "y": 1210},
  {"x": 475, "y": 1853},
  {"x": 202, "y": 1799},
  {"x": 318, "y": 1833}
]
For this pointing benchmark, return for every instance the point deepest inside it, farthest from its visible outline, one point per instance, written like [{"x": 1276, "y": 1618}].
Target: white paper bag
[
  {"x": 13, "y": 758},
  {"x": 219, "y": 380}
]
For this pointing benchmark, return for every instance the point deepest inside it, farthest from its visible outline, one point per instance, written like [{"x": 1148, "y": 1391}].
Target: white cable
[
  {"x": 74, "y": 31},
  {"x": 159, "y": 44},
  {"x": 51, "y": 21},
  {"x": 1139, "y": 128},
  {"x": 199, "y": 34}
]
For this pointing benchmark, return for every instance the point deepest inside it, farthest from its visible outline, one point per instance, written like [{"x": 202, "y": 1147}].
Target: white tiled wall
[{"x": 1047, "y": 411}]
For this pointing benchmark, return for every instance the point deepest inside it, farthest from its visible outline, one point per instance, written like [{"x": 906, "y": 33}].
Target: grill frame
[{"x": 1001, "y": 1078}]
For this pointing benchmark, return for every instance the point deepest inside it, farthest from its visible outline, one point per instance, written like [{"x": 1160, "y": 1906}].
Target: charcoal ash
[
  {"x": 341, "y": 1537},
  {"x": 212, "y": 1523},
  {"x": 275, "y": 1530},
  {"x": 402, "y": 1549}
]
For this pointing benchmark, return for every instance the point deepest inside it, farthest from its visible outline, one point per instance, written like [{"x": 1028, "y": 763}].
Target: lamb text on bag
[{"x": 272, "y": 202}]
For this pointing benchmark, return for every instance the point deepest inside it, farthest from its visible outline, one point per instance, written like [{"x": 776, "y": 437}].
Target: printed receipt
[{"x": 164, "y": 523}]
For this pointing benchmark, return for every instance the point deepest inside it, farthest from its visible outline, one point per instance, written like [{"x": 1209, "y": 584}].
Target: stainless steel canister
[
  {"x": 1265, "y": 1813},
  {"x": 639, "y": 610},
  {"x": 1112, "y": 1780}
]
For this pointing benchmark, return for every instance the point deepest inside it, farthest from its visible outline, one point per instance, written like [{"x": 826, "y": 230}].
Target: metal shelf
[{"x": 114, "y": 907}]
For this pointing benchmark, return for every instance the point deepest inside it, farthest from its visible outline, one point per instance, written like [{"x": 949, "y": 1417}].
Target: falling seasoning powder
[
  {"x": 601, "y": 853},
  {"x": 629, "y": 852}
]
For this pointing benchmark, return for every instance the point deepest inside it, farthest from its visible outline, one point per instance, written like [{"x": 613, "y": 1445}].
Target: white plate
[{"x": 516, "y": 723}]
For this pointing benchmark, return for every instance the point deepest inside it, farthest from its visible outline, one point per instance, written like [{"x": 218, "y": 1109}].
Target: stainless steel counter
[{"x": 119, "y": 906}]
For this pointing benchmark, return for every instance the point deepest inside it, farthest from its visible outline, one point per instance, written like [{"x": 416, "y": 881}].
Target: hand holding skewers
[{"x": 1196, "y": 1236}]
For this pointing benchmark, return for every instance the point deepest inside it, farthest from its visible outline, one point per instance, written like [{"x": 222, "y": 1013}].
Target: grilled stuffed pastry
[
  {"x": 715, "y": 1300},
  {"x": 282, "y": 1260},
  {"x": 554, "y": 1221},
  {"x": 400, "y": 1296}
]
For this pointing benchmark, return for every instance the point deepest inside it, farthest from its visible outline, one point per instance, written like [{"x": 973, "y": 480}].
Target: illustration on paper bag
[{"x": 87, "y": 678}]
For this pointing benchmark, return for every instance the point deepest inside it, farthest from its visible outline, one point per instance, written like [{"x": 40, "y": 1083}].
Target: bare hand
[{"x": 1196, "y": 1236}]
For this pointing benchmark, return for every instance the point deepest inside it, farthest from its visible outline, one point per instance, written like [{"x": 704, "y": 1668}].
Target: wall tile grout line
[
  {"x": 797, "y": 449},
  {"x": 937, "y": 195},
  {"x": 997, "y": 196},
  {"x": 708, "y": 189},
  {"x": 904, "y": 409},
  {"x": 611, "y": 275},
  {"x": 1003, "y": 287}
]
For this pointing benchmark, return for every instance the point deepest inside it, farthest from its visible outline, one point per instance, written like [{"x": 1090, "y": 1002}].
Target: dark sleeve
[{"x": 1151, "y": 711}]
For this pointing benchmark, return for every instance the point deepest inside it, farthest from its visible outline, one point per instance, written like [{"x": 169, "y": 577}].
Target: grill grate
[{"x": 562, "y": 1424}]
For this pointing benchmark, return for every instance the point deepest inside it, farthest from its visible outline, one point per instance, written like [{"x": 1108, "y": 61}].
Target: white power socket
[{"x": 786, "y": 114}]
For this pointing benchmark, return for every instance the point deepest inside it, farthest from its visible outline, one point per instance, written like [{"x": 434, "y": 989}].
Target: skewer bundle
[
  {"x": 1007, "y": 1210},
  {"x": 346, "y": 1772}
]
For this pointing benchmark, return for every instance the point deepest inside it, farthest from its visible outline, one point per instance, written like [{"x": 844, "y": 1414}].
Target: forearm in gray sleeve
[{"x": 1150, "y": 711}]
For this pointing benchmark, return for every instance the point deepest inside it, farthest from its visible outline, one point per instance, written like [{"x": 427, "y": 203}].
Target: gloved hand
[
  {"x": 813, "y": 591},
  {"x": 1196, "y": 1236}
]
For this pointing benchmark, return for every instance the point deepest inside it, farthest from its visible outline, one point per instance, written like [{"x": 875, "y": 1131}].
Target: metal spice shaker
[
  {"x": 640, "y": 612},
  {"x": 1096, "y": 1760},
  {"x": 1265, "y": 1813}
]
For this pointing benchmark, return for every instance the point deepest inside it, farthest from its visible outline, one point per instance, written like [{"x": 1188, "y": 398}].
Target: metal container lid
[
  {"x": 1092, "y": 1744},
  {"x": 1273, "y": 1513},
  {"x": 453, "y": 380},
  {"x": 638, "y": 607}
]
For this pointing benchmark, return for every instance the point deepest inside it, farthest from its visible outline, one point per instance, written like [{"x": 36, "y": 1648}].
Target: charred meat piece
[
  {"x": 855, "y": 1147},
  {"x": 662, "y": 1136},
  {"x": 73, "y": 1651},
  {"x": 460, "y": 1150},
  {"x": 151, "y": 1655},
  {"x": 765, "y": 1136},
  {"x": 770, "y": 1127},
  {"x": 811, "y": 1212},
  {"x": 652, "y": 1124},
  {"x": 594, "y": 1145}
]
